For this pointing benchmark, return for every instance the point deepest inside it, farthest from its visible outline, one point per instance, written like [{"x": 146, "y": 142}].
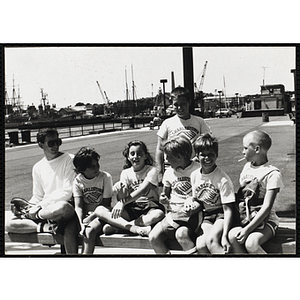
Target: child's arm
[
  {"x": 269, "y": 199},
  {"x": 78, "y": 201},
  {"x": 228, "y": 214},
  {"x": 164, "y": 197},
  {"x": 159, "y": 159}
]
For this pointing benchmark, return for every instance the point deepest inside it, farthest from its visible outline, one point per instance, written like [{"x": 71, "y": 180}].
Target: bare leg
[
  {"x": 213, "y": 238},
  {"x": 256, "y": 239},
  {"x": 70, "y": 236},
  {"x": 182, "y": 235},
  {"x": 237, "y": 248},
  {"x": 91, "y": 233},
  {"x": 157, "y": 239},
  {"x": 104, "y": 214},
  {"x": 201, "y": 240},
  {"x": 152, "y": 217}
]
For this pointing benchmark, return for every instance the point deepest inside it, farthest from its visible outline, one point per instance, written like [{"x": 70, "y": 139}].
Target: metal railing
[{"x": 27, "y": 133}]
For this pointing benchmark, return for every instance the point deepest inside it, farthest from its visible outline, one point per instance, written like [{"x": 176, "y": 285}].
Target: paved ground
[{"x": 229, "y": 132}]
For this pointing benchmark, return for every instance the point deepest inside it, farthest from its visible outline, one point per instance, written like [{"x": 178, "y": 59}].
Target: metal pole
[
  {"x": 163, "y": 81},
  {"x": 188, "y": 74},
  {"x": 220, "y": 92}
]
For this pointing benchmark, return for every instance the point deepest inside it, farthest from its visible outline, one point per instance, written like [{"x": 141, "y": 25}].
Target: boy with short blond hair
[{"x": 249, "y": 237}]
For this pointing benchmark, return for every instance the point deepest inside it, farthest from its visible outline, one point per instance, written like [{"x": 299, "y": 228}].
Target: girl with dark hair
[{"x": 138, "y": 206}]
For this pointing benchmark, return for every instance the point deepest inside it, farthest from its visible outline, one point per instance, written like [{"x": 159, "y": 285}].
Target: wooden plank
[
  {"x": 40, "y": 238},
  {"x": 283, "y": 243}
]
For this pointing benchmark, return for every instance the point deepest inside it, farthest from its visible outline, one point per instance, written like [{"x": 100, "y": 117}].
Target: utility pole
[
  {"x": 264, "y": 75},
  {"x": 172, "y": 81},
  {"x": 188, "y": 74},
  {"x": 163, "y": 81},
  {"x": 220, "y": 93}
]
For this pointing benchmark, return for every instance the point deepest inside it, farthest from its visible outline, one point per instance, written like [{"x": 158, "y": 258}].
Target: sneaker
[
  {"x": 47, "y": 227},
  {"x": 20, "y": 207},
  {"x": 143, "y": 231},
  {"x": 109, "y": 230}
]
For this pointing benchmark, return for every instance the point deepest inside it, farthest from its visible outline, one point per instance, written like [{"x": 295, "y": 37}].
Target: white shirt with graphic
[
  {"x": 271, "y": 181},
  {"x": 192, "y": 128},
  {"x": 180, "y": 183},
  {"x": 133, "y": 180},
  {"x": 93, "y": 190},
  {"x": 213, "y": 189}
]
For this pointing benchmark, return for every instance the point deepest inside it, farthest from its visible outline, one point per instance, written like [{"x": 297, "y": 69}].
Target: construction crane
[
  {"x": 107, "y": 100},
  {"x": 199, "y": 90},
  {"x": 101, "y": 92},
  {"x": 107, "y": 106}
]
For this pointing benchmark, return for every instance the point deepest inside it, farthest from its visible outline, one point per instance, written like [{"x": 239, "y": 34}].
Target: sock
[{"x": 191, "y": 251}]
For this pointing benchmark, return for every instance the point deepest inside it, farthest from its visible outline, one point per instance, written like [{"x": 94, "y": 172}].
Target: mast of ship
[
  {"x": 7, "y": 101},
  {"x": 13, "y": 93},
  {"x": 133, "y": 89},
  {"x": 127, "y": 92}
]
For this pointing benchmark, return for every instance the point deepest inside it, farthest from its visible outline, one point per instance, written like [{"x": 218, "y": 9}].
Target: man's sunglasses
[{"x": 54, "y": 142}]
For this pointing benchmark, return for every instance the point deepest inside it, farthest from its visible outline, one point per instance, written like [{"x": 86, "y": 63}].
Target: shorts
[
  {"x": 193, "y": 224},
  {"x": 272, "y": 226},
  {"x": 137, "y": 209},
  {"x": 211, "y": 219}
]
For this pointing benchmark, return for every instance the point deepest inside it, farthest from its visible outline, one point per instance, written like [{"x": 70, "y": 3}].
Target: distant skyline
[{"x": 69, "y": 74}]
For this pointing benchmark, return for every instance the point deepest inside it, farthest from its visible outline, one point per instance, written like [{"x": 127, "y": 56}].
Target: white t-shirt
[
  {"x": 93, "y": 190},
  {"x": 133, "y": 180},
  {"x": 192, "y": 128},
  {"x": 180, "y": 183},
  {"x": 53, "y": 179},
  {"x": 213, "y": 189},
  {"x": 271, "y": 181}
]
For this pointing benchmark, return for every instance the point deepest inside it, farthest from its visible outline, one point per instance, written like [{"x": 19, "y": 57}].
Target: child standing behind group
[
  {"x": 182, "y": 219},
  {"x": 183, "y": 122},
  {"x": 260, "y": 228},
  {"x": 212, "y": 188},
  {"x": 138, "y": 204},
  {"x": 91, "y": 188}
]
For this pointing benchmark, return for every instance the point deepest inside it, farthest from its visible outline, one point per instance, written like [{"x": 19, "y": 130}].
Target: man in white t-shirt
[{"x": 50, "y": 208}]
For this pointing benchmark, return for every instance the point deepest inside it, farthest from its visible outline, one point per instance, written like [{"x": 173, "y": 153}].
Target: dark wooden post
[{"x": 188, "y": 74}]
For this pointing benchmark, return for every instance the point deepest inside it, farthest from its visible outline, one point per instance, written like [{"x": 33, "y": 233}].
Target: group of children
[{"x": 197, "y": 205}]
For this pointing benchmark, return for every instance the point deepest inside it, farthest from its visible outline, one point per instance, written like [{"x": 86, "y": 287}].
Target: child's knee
[
  {"x": 232, "y": 234},
  {"x": 99, "y": 211},
  {"x": 158, "y": 215},
  {"x": 252, "y": 244},
  {"x": 182, "y": 233}
]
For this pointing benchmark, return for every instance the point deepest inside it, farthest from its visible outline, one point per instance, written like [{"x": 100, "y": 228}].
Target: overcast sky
[{"x": 69, "y": 74}]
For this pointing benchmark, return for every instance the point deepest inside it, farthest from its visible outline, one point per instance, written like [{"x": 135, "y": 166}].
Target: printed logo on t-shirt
[
  {"x": 92, "y": 195},
  {"x": 182, "y": 186},
  {"x": 208, "y": 194},
  {"x": 190, "y": 132}
]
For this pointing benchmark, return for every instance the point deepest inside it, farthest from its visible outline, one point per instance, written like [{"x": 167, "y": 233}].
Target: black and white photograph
[
  {"x": 150, "y": 150},
  {"x": 107, "y": 191}
]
